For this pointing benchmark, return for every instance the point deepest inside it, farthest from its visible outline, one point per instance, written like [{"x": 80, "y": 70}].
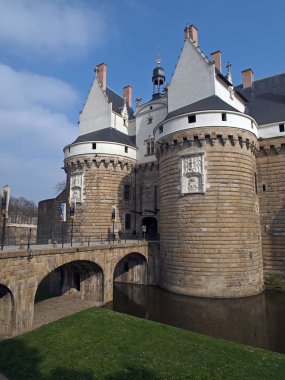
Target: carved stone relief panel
[
  {"x": 192, "y": 174},
  {"x": 76, "y": 186}
]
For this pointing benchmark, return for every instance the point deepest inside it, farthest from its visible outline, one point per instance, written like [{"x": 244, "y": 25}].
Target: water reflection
[{"x": 256, "y": 321}]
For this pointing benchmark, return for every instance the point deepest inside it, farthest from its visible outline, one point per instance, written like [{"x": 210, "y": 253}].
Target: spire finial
[
  {"x": 229, "y": 74},
  {"x": 157, "y": 57}
]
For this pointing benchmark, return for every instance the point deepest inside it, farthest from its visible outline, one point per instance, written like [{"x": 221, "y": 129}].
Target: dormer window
[{"x": 149, "y": 120}]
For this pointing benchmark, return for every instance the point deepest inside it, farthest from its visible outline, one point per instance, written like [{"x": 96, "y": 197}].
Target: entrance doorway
[{"x": 151, "y": 226}]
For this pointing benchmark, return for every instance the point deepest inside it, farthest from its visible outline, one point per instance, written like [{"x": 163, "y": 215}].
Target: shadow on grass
[
  {"x": 133, "y": 373},
  {"x": 20, "y": 362}
]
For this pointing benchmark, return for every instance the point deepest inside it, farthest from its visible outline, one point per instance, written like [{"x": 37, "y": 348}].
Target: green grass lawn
[{"x": 102, "y": 344}]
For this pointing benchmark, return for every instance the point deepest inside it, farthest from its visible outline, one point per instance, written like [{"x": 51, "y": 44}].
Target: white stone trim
[
  {"x": 102, "y": 147},
  {"x": 206, "y": 119}
]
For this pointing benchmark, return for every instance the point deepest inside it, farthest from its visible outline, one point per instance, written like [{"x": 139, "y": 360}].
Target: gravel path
[{"x": 59, "y": 307}]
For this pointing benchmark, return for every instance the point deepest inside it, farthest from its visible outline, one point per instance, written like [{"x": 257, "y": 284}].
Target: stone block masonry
[{"x": 209, "y": 216}]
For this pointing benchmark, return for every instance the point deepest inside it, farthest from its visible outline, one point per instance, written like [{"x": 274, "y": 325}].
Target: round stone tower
[
  {"x": 210, "y": 228},
  {"x": 98, "y": 167}
]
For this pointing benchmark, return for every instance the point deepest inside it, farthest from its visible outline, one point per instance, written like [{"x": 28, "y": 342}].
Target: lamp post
[
  {"x": 4, "y": 211},
  {"x": 72, "y": 215},
  {"x": 113, "y": 220},
  {"x": 63, "y": 219}
]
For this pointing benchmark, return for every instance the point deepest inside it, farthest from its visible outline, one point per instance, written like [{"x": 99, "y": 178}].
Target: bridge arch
[
  {"x": 81, "y": 279},
  {"x": 7, "y": 313},
  {"x": 131, "y": 269}
]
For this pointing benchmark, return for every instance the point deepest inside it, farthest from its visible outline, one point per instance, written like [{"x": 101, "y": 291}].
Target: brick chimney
[
  {"x": 247, "y": 78},
  {"x": 191, "y": 32},
  {"x": 128, "y": 90},
  {"x": 217, "y": 59},
  {"x": 101, "y": 71}
]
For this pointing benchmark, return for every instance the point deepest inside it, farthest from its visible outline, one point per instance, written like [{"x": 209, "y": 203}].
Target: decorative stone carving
[
  {"x": 192, "y": 174},
  {"x": 76, "y": 186}
]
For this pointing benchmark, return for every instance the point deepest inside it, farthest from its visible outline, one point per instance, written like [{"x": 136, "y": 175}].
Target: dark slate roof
[
  {"x": 107, "y": 134},
  {"x": 211, "y": 103},
  {"x": 266, "y": 99},
  {"x": 118, "y": 102}
]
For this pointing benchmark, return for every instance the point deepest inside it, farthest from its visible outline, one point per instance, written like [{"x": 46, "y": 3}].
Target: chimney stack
[
  {"x": 217, "y": 59},
  {"x": 247, "y": 78},
  {"x": 101, "y": 74},
  {"x": 128, "y": 90},
  {"x": 191, "y": 32}
]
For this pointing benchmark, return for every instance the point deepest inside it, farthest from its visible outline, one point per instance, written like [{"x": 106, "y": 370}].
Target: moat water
[{"x": 257, "y": 321}]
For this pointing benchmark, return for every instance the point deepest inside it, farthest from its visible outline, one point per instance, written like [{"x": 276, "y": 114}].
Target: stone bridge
[{"x": 83, "y": 272}]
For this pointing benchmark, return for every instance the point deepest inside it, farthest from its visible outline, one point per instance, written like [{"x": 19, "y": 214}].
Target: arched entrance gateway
[
  {"x": 151, "y": 226},
  {"x": 79, "y": 279},
  {"x": 6, "y": 311}
]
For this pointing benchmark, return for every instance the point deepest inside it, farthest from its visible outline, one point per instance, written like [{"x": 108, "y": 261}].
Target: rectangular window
[
  {"x": 281, "y": 128},
  {"x": 149, "y": 148},
  {"x": 263, "y": 187},
  {"x": 127, "y": 192},
  {"x": 93, "y": 145},
  {"x": 149, "y": 120},
  {"x": 192, "y": 119},
  {"x": 224, "y": 117},
  {"x": 160, "y": 129},
  {"x": 126, "y": 149},
  {"x": 69, "y": 149}
]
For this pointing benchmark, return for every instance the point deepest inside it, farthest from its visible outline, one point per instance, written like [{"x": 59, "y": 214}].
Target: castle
[{"x": 200, "y": 165}]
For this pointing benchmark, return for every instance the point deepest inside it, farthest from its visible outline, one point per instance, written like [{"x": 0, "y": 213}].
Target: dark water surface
[{"x": 258, "y": 321}]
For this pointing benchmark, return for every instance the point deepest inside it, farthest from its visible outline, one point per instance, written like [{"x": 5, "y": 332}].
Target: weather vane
[{"x": 157, "y": 57}]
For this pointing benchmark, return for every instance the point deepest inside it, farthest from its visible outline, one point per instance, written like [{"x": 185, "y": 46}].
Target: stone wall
[
  {"x": 210, "y": 231},
  {"x": 49, "y": 220},
  {"x": 103, "y": 187},
  {"x": 271, "y": 185},
  {"x": 15, "y": 234}
]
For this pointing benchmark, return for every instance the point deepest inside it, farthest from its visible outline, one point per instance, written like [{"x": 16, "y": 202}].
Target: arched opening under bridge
[
  {"x": 132, "y": 269},
  {"x": 74, "y": 286},
  {"x": 6, "y": 311}
]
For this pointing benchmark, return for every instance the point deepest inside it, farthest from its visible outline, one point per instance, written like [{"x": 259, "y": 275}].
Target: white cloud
[
  {"x": 33, "y": 131},
  {"x": 64, "y": 28},
  {"x": 22, "y": 89}
]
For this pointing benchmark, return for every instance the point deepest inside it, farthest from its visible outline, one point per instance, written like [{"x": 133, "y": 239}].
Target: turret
[{"x": 158, "y": 76}]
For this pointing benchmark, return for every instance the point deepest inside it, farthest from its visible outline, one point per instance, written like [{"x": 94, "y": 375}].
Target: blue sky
[{"x": 49, "y": 48}]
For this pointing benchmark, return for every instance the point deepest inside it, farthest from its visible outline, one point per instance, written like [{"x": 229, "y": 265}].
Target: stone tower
[
  {"x": 209, "y": 213},
  {"x": 98, "y": 163}
]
